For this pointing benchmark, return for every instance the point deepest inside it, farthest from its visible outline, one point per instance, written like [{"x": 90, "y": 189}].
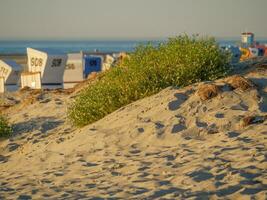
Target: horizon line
[{"x": 116, "y": 39}]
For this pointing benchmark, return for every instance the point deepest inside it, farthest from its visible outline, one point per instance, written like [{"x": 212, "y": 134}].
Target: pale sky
[{"x": 129, "y": 19}]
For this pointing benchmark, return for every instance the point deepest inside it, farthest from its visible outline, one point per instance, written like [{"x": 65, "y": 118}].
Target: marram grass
[
  {"x": 5, "y": 129},
  {"x": 180, "y": 61}
]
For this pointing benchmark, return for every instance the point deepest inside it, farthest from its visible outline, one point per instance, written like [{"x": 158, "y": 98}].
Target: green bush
[
  {"x": 178, "y": 62},
  {"x": 5, "y": 129}
]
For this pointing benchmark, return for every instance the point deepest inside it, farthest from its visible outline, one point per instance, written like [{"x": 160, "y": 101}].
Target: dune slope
[{"x": 172, "y": 145}]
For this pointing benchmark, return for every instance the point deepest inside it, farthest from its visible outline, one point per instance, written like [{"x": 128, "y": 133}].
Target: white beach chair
[
  {"x": 50, "y": 65},
  {"x": 73, "y": 73},
  {"x": 9, "y": 75}
]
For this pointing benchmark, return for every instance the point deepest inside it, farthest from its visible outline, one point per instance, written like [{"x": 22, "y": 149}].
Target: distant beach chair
[
  {"x": 31, "y": 80},
  {"x": 97, "y": 62},
  {"x": 120, "y": 58},
  {"x": 73, "y": 73},
  {"x": 235, "y": 53},
  {"x": 254, "y": 52},
  {"x": 92, "y": 63},
  {"x": 50, "y": 65},
  {"x": 9, "y": 75},
  {"x": 108, "y": 61}
]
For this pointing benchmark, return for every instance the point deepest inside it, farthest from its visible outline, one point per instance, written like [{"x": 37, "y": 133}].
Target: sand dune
[{"x": 172, "y": 145}]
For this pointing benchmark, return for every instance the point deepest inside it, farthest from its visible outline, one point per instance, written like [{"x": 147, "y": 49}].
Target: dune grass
[
  {"x": 5, "y": 128},
  {"x": 180, "y": 61}
]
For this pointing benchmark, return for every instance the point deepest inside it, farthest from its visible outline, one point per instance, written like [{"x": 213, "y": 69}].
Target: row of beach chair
[{"x": 48, "y": 69}]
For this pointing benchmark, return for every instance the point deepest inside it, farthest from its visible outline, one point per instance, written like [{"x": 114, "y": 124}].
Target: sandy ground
[{"x": 172, "y": 145}]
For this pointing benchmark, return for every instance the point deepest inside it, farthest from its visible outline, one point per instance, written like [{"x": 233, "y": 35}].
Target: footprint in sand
[
  {"x": 144, "y": 119},
  {"x": 253, "y": 191},
  {"x": 159, "y": 125},
  {"x": 3, "y": 159},
  {"x": 59, "y": 173},
  {"x": 240, "y": 106},
  {"x": 140, "y": 130},
  {"x": 56, "y": 189},
  {"x": 181, "y": 98},
  {"x": 24, "y": 197},
  {"x": 143, "y": 175},
  {"x": 138, "y": 191},
  {"x": 178, "y": 128},
  {"x": 233, "y": 134},
  {"x": 244, "y": 139},
  {"x": 88, "y": 164},
  {"x": 201, "y": 124},
  {"x": 160, "y": 128},
  {"x": 90, "y": 185},
  {"x": 163, "y": 183},
  {"x": 35, "y": 191},
  {"x": 6, "y": 189},
  {"x": 249, "y": 175},
  {"x": 12, "y": 146},
  {"x": 219, "y": 115},
  {"x": 170, "y": 157},
  {"x": 201, "y": 175},
  {"x": 135, "y": 151},
  {"x": 228, "y": 190},
  {"x": 220, "y": 177},
  {"x": 176, "y": 192},
  {"x": 114, "y": 173},
  {"x": 143, "y": 168},
  {"x": 46, "y": 196}
]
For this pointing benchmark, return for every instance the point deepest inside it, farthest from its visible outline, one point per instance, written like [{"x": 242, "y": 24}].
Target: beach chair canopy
[
  {"x": 74, "y": 68},
  {"x": 9, "y": 70},
  {"x": 92, "y": 63},
  {"x": 50, "y": 64},
  {"x": 254, "y": 52}
]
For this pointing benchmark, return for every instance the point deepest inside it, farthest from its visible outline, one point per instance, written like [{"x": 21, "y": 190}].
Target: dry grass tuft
[
  {"x": 208, "y": 91},
  {"x": 92, "y": 76},
  {"x": 239, "y": 82},
  {"x": 248, "y": 120}
]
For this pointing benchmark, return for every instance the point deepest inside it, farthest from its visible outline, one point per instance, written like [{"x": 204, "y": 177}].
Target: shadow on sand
[
  {"x": 43, "y": 124},
  {"x": 262, "y": 84}
]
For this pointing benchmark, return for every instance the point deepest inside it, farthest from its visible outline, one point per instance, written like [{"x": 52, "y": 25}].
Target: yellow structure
[{"x": 245, "y": 54}]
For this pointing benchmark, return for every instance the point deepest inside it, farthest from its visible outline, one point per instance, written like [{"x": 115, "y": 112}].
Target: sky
[{"x": 129, "y": 19}]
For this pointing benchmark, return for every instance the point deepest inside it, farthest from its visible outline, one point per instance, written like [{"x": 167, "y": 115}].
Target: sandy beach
[
  {"x": 133, "y": 100},
  {"x": 172, "y": 145}
]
